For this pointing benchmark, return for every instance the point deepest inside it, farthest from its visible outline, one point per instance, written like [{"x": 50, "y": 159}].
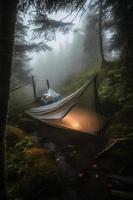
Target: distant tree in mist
[
  {"x": 20, "y": 69},
  {"x": 77, "y": 53},
  {"x": 91, "y": 41}
]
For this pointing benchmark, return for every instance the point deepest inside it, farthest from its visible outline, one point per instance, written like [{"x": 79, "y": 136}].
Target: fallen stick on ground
[
  {"x": 113, "y": 142},
  {"x": 122, "y": 194}
]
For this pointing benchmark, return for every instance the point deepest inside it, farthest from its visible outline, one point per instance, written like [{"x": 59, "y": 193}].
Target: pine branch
[
  {"x": 51, "y": 5},
  {"x": 47, "y": 27},
  {"x": 41, "y": 46}
]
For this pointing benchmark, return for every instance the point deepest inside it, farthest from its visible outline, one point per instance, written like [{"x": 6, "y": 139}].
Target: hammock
[{"x": 65, "y": 113}]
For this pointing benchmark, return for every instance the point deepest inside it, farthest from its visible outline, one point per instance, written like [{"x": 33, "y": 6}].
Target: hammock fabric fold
[
  {"x": 66, "y": 114},
  {"x": 58, "y": 109}
]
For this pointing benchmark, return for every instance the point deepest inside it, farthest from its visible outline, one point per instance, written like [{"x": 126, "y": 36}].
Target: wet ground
[{"x": 75, "y": 152}]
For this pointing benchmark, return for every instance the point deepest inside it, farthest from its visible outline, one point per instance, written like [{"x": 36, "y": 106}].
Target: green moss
[
  {"x": 116, "y": 99},
  {"x": 112, "y": 86}
]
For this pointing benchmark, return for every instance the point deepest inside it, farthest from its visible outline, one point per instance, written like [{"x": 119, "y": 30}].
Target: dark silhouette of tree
[
  {"x": 120, "y": 21},
  {"x": 97, "y": 5},
  {"x": 7, "y": 26},
  {"x": 91, "y": 42},
  {"x": 100, "y": 30}
]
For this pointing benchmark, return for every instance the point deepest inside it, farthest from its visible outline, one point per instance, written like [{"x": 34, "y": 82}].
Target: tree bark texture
[
  {"x": 7, "y": 27},
  {"x": 100, "y": 30}
]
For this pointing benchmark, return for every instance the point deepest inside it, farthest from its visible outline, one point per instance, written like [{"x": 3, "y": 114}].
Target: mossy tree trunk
[{"x": 7, "y": 27}]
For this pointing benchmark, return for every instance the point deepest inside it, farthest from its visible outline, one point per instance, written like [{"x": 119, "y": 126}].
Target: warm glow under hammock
[{"x": 68, "y": 113}]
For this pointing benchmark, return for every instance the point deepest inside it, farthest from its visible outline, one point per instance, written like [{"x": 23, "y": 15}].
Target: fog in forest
[{"x": 71, "y": 53}]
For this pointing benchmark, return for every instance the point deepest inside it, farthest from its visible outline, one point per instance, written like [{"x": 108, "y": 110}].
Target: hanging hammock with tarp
[{"x": 76, "y": 111}]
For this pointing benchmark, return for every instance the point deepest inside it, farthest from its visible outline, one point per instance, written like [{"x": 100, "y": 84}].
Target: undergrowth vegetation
[
  {"x": 116, "y": 100},
  {"x": 32, "y": 170}
]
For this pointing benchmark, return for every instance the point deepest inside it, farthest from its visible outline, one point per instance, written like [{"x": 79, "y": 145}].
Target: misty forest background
[{"x": 94, "y": 37}]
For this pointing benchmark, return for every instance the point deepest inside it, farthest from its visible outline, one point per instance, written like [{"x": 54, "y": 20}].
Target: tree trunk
[
  {"x": 129, "y": 44},
  {"x": 100, "y": 31},
  {"x": 7, "y": 27}
]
